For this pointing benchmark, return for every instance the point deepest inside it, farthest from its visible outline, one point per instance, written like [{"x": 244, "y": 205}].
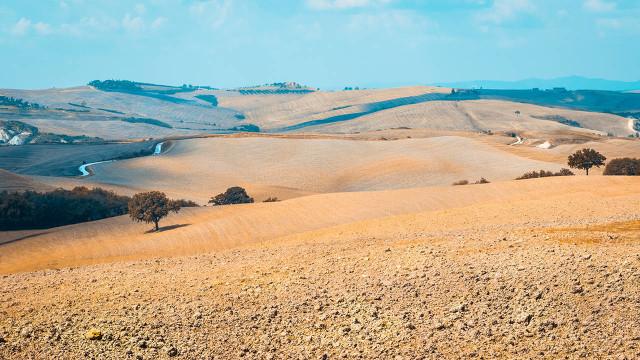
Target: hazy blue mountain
[{"x": 568, "y": 82}]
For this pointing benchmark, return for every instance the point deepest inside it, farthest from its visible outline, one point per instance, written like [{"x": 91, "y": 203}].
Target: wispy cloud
[
  {"x": 42, "y": 28},
  {"x": 343, "y": 4},
  {"x": 503, "y": 11},
  {"x": 214, "y": 13},
  {"x": 389, "y": 19},
  {"x": 599, "y": 5},
  {"x": 88, "y": 26},
  {"x": 158, "y": 22},
  {"x": 21, "y": 27},
  {"x": 24, "y": 26},
  {"x": 132, "y": 23}
]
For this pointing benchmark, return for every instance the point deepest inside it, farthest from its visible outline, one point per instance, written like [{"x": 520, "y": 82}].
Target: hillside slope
[
  {"x": 200, "y": 168},
  {"x": 207, "y": 229},
  {"x": 479, "y": 115}
]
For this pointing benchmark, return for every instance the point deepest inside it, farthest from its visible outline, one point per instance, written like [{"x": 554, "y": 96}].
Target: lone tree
[
  {"x": 233, "y": 195},
  {"x": 585, "y": 159},
  {"x": 150, "y": 207}
]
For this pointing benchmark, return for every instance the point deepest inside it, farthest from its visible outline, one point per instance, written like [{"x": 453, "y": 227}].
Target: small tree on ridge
[
  {"x": 150, "y": 207},
  {"x": 585, "y": 159}
]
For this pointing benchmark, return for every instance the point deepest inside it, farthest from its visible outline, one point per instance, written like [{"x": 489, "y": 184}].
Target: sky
[{"x": 328, "y": 44}]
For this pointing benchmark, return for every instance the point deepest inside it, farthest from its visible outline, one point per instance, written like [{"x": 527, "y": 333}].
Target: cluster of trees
[
  {"x": 543, "y": 173},
  {"x": 135, "y": 120},
  {"x": 246, "y": 128},
  {"x": 588, "y": 158},
  {"x": 36, "y": 210},
  {"x": 19, "y": 103},
  {"x": 116, "y": 85},
  {"x": 41, "y": 210},
  {"x": 152, "y": 206},
  {"x": 211, "y": 99}
]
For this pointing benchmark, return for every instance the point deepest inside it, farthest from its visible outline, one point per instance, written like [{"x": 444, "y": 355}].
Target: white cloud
[
  {"x": 213, "y": 12},
  {"x": 343, "y": 4},
  {"x": 158, "y": 22},
  {"x": 505, "y": 10},
  {"x": 391, "y": 19},
  {"x": 42, "y": 28},
  {"x": 599, "y": 5},
  {"x": 140, "y": 9},
  {"x": 132, "y": 23},
  {"x": 625, "y": 24},
  {"x": 21, "y": 27}
]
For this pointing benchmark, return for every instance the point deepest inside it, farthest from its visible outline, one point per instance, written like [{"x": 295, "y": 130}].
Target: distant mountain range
[{"x": 568, "y": 82}]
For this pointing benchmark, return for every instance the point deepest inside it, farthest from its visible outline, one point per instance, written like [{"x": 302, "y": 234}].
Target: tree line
[
  {"x": 41, "y": 210},
  {"x": 19, "y": 103},
  {"x": 36, "y": 210}
]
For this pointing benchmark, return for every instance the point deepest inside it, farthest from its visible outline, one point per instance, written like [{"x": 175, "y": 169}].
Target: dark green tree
[
  {"x": 150, "y": 207},
  {"x": 233, "y": 195},
  {"x": 585, "y": 159}
]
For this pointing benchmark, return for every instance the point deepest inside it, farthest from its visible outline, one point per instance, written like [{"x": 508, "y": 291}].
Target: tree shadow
[
  {"x": 166, "y": 228},
  {"x": 23, "y": 237}
]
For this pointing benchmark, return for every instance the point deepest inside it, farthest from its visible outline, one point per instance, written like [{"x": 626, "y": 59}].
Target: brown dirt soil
[{"x": 486, "y": 271}]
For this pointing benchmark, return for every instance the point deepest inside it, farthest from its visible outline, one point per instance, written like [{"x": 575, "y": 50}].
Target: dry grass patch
[{"x": 612, "y": 233}]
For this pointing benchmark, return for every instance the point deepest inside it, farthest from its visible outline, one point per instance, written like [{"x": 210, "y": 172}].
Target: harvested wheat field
[
  {"x": 543, "y": 268},
  {"x": 287, "y": 167},
  {"x": 478, "y": 115}
]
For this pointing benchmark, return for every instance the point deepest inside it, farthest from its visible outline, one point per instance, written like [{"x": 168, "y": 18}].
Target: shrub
[
  {"x": 466, "y": 182},
  {"x": 565, "y": 172},
  {"x": 35, "y": 210},
  {"x": 543, "y": 173},
  {"x": 623, "y": 166},
  {"x": 233, "y": 195},
  {"x": 185, "y": 203},
  {"x": 271, "y": 199}
]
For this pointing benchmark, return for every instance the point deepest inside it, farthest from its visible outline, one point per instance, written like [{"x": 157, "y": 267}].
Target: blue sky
[{"x": 323, "y": 43}]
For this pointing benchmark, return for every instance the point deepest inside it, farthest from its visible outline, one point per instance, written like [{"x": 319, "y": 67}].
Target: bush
[
  {"x": 466, "y": 182},
  {"x": 271, "y": 199},
  {"x": 233, "y": 195},
  {"x": 185, "y": 203},
  {"x": 543, "y": 173},
  {"x": 623, "y": 166},
  {"x": 34, "y": 210}
]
